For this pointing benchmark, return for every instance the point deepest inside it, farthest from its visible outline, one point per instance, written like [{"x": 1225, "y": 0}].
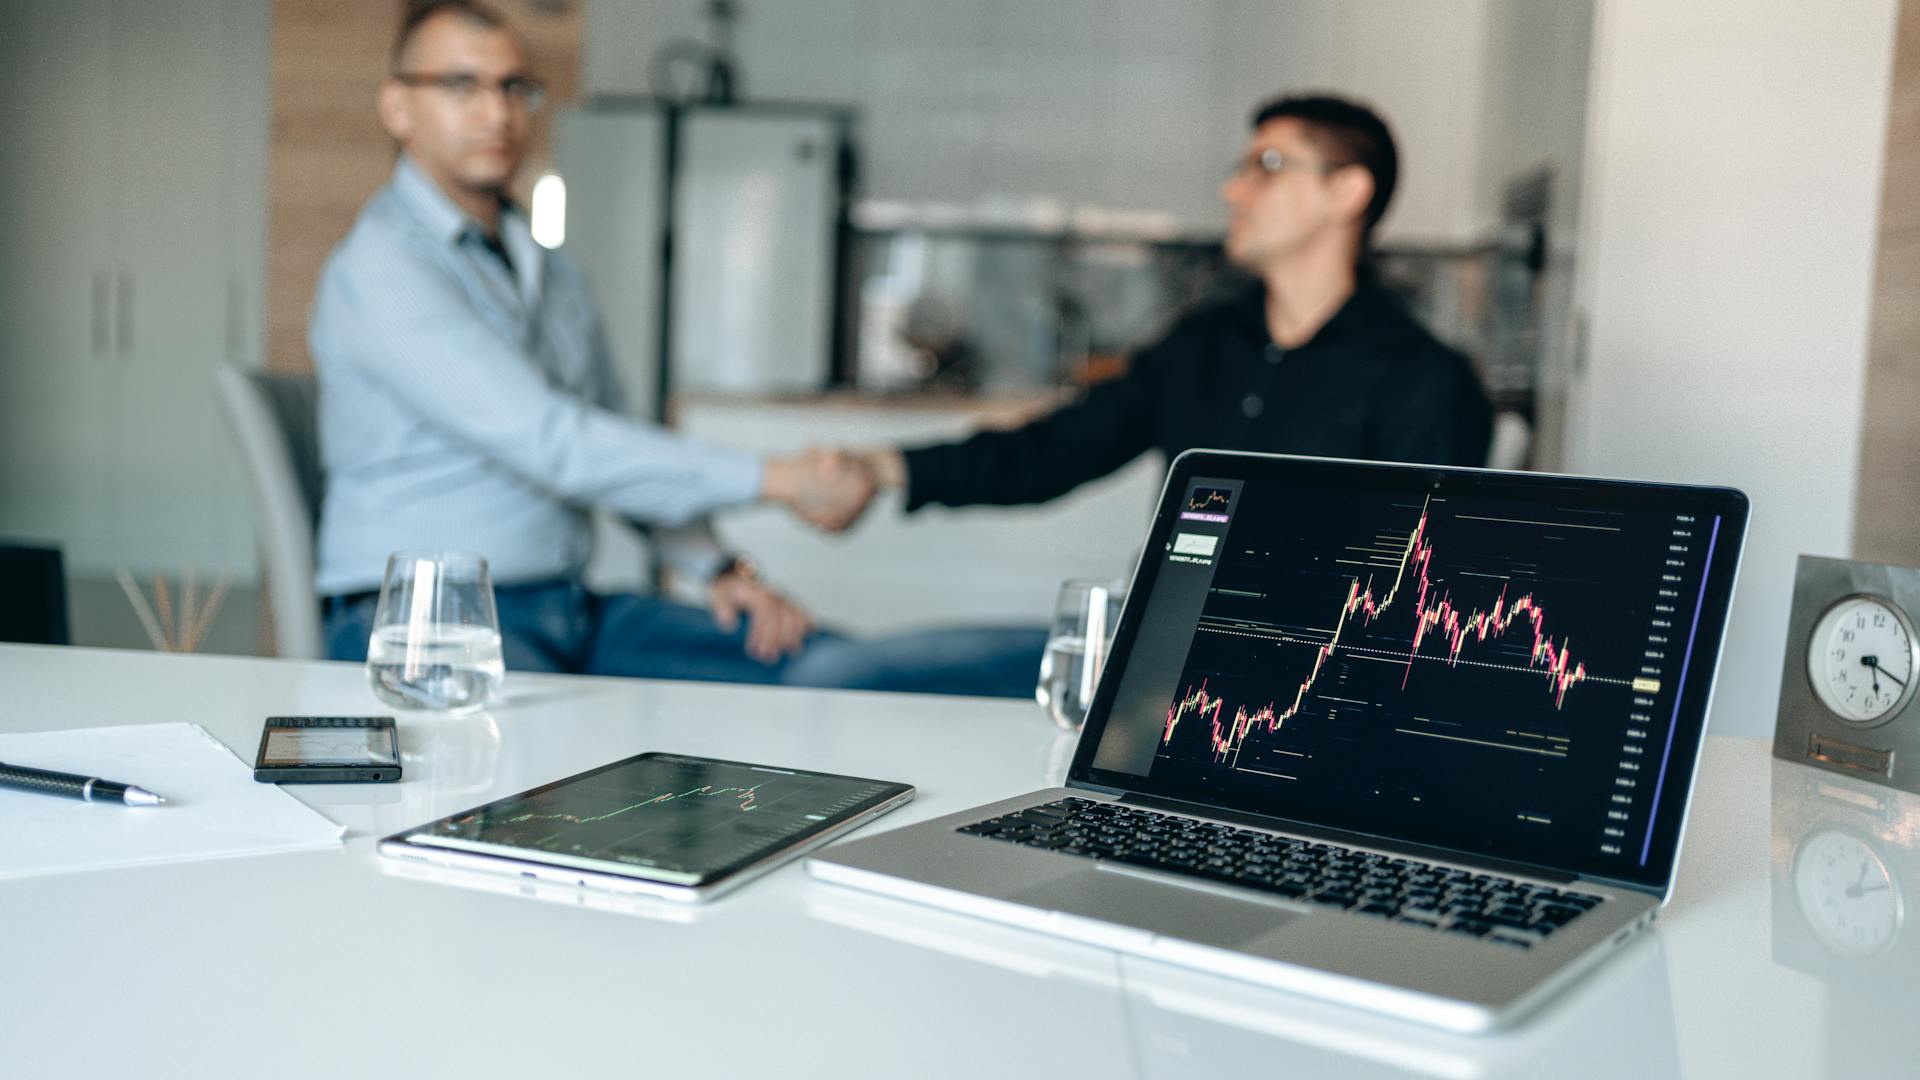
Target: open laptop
[{"x": 1414, "y": 739}]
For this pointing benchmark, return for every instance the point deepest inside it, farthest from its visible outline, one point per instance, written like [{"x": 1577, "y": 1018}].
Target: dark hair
[
  {"x": 1349, "y": 133},
  {"x": 419, "y": 11}
]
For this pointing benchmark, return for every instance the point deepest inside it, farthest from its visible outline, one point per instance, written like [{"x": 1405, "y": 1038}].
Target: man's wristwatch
[{"x": 739, "y": 565}]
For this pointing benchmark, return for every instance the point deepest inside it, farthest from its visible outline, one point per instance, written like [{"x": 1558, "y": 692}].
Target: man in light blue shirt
[{"x": 467, "y": 402}]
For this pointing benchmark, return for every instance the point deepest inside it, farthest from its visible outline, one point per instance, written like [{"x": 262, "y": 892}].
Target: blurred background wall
[
  {"x": 1677, "y": 238},
  {"x": 326, "y": 151}
]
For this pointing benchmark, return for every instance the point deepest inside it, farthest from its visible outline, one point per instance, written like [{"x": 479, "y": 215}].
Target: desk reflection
[
  {"x": 1845, "y": 874},
  {"x": 458, "y": 754},
  {"x": 546, "y": 892},
  {"x": 1189, "y": 1024}
]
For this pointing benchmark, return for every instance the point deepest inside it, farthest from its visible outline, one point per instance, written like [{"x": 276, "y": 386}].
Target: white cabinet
[
  {"x": 131, "y": 260},
  {"x": 755, "y": 205},
  {"x": 754, "y": 219},
  {"x": 613, "y": 163}
]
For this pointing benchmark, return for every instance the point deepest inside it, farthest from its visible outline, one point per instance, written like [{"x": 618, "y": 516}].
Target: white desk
[{"x": 328, "y": 964}]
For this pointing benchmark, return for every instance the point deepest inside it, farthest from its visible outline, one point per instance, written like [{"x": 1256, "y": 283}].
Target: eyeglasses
[
  {"x": 519, "y": 91},
  {"x": 1268, "y": 163}
]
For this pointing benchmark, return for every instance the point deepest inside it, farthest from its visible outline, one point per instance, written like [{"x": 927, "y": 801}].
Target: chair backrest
[
  {"x": 273, "y": 420},
  {"x": 35, "y": 590}
]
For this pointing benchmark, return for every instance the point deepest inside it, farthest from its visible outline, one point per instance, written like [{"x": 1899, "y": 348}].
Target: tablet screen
[{"x": 662, "y": 817}]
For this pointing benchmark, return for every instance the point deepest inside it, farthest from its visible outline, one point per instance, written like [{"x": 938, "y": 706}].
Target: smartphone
[{"x": 328, "y": 750}]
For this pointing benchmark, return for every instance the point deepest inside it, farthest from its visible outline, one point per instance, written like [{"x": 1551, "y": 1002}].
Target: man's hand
[
  {"x": 829, "y": 488},
  {"x": 776, "y": 625},
  {"x": 889, "y": 467}
]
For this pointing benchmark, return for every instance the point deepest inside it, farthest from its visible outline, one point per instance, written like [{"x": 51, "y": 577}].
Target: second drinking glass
[{"x": 1084, "y": 618}]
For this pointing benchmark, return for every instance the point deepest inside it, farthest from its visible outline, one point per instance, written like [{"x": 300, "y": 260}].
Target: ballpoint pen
[{"x": 75, "y": 786}]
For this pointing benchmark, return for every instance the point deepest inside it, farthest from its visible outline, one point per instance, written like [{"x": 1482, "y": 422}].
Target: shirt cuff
[
  {"x": 699, "y": 567},
  {"x": 922, "y": 483},
  {"x": 735, "y": 478}
]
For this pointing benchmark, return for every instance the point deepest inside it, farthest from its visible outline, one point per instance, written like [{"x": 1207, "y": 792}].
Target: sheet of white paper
[{"x": 215, "y": 809}]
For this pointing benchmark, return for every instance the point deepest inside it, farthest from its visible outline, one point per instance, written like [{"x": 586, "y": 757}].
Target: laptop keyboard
[{"x": 1487, "y": 906}]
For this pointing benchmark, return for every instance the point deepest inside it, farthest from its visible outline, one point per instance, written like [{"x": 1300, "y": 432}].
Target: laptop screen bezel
[{"x": 1268, "y": 469}]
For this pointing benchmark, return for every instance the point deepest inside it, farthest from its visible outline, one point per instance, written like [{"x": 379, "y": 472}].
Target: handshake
[{"x": 831, "y": 488}]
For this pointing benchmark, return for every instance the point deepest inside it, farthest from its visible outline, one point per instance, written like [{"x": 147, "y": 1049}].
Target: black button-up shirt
[{"x": 1372, "y": 383}]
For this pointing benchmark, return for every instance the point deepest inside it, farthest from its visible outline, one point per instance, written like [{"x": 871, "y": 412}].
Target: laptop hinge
[{"x": 1342, "y": 836}]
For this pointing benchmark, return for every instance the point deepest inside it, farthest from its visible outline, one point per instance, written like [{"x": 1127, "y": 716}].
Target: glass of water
[
  {"x": 1083, "y": 622},
  {"x": 436, "y": 636}
]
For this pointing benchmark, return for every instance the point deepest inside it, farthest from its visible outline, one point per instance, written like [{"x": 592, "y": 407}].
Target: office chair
[
  {"x": 272, "y": 418},
  {"x": 33, "y": 587}
]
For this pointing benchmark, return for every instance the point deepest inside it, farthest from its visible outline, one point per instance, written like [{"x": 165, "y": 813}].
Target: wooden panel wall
[
  {"x": 1887, "y": 523},
  {"x": 328, "y": 152}
]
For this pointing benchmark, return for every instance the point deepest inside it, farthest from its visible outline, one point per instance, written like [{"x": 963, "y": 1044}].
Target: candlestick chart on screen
[{"x": 1432, "y": 653}]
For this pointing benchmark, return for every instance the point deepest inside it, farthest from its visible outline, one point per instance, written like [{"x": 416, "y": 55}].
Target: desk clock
[{"x": 1851, "y": 668}]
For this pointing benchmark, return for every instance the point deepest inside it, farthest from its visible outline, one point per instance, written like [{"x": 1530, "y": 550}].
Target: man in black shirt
[{"x": 1313, "y": 358}]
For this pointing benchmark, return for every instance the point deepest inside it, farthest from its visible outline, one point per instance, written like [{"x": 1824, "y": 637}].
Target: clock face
[
  {"x": 1860, "y": 660},
  {"x": 1846, "y": 893}
]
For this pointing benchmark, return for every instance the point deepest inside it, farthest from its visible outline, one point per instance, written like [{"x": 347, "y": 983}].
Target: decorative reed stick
[
  {"x": 147, "y": 622},
  {"x": 196, "y": 618}
]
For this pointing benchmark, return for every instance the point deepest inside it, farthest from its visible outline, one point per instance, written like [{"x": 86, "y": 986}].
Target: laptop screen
[{"x": 1509, "y": 665}]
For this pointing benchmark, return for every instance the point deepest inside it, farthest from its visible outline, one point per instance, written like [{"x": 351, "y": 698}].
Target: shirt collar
[
  {"x": 428, "y": 204},
  {"x": 445, "y": 221},
  {"x": 1369, "y": 310}
]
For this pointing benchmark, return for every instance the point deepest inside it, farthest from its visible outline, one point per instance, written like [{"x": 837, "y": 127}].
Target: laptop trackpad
[{"x": 1191, "y": 913}]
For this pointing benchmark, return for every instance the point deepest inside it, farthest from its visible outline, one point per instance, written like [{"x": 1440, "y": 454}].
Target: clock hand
[
  {"x": 1856, "y": 890},
  {"x": 1873, "y": 662}
]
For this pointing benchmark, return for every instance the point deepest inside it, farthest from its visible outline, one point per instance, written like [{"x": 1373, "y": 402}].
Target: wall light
[{"x": 550, "y": 210}]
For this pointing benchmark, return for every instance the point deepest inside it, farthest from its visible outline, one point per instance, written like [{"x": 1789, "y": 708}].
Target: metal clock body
[{"x": 1852, "y": 666}]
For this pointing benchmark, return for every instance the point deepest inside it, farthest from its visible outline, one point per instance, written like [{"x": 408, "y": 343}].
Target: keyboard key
[{"x": 1515, "y": 914}]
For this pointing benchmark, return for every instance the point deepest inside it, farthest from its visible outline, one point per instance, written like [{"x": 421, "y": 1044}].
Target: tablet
[{"x": 686, "y": 828}]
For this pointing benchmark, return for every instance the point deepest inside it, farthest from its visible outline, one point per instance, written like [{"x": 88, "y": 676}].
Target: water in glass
[
  {"x": 1083, "y": 623},
  {"x": 1063, "y": 680},
  {"x": 446, "y": 667},
  {"x": 436, "y": 633}
]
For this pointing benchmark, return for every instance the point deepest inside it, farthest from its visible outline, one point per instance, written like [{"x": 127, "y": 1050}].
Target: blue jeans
[
  {"x": 562, "y": 627},
  {"x": 985, "y": 662}
]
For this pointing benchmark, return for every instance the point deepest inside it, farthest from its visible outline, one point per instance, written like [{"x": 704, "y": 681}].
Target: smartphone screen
[
  {"x": 328, "y": 749},
  {"x": 329, "y": 746}
]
